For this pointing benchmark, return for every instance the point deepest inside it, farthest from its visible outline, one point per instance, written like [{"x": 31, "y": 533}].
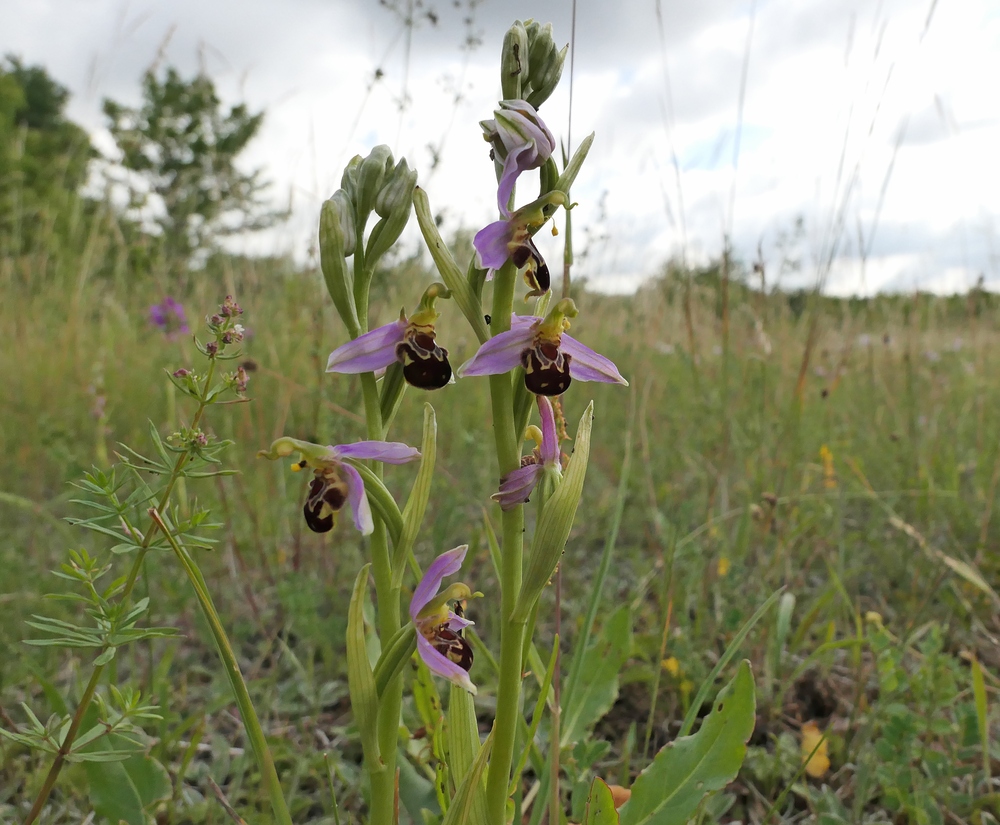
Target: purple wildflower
[
  {"x": 169, "y": 317},
  {"x": 439, "y": 629},
  {"x": 550, "y": 357},
  {"x": 335, "y": 482},
  {"x": 411, "y": 342},
  {"x": 520, "y": 141},
  {"x": 517, "y": 485}
]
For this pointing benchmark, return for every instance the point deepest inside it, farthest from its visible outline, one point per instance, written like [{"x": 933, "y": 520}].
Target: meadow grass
[{"x": 845, "y": 451}]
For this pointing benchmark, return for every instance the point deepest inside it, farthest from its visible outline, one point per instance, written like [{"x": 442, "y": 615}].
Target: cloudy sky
[{"x": 875, "y": 122}]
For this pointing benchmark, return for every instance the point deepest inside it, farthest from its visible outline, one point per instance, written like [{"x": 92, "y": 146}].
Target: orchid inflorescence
[{"x": 406, "y": 351}]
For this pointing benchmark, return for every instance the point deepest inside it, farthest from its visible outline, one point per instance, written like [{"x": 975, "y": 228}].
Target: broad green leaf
[
  {"x": 600, "y": 805},
  {"x": 462, "y": 734},
  {"x": 597, "y": 691},
  {"x": 670, "y": 789},
  {"x": 125, "y": 789}
]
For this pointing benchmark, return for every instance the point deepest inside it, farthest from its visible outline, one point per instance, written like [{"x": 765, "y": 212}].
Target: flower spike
[{"x": 439, "y": 629}]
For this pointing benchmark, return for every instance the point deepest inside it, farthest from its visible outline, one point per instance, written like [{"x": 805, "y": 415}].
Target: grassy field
[{"x": 847, "y": 452}]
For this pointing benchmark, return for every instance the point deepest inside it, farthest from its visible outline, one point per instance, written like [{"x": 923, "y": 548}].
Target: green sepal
[
  {"x": 556, "y": 521},
  {"x": 395, "y": 655},
  {"x": 416, "y": 504},
  {"x": 461, "y": 290},
  {"x": 333, "y": 246},
  {"x": 670, "y": 789},
  {"x": 360, "y": 678},
  {"x": 514, "y": 58}
]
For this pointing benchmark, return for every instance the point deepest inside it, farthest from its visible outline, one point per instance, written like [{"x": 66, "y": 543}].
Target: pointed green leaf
[
  {"x": 452, "y": 276},
  {"x": 360, "y": 679},
  {"x": 416, "y": 504},
  {"x": 669, "y": 791},
  {"x": 463, "y": 806},
  {"x": 601, "y": 663}
]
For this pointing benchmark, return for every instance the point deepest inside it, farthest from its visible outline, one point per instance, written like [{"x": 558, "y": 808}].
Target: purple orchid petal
[
  {"x": 491, "y": 245},
  {"x": 443, "y": 666},
  {"x": 360, "y": 508},
  {"x": 368, "y": 352},
  {"x": 501, "y": 353},
  {"x": 390, "y": 452},
  {"x": 446, "y": 564},
  {"x": 519, "y": 159},
  {"x": 550, "y": 438},
  {"x": 587, "y": 365},
  {"x": 517, "y": 485}
]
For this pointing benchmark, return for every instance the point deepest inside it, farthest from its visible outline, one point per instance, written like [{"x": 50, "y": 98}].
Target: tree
[
  {"x": 185, "y": 147},
  {"x": 44, "y": 157}
]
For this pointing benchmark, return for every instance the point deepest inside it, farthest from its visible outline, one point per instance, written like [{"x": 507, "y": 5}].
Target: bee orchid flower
[
  {"x": 520, "y": 141},
  {"x": 410, "y": 341},
  {"x": 335, "y": 482},
  {"x": 439, "y": 628},
  {"x": 517, "y": 485},
  {"x": 551, "y": 358}
]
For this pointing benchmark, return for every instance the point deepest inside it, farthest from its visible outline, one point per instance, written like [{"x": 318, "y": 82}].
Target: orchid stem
[
  {"x": 511, "y": 547},
  {"x": 387, "y": 597}
]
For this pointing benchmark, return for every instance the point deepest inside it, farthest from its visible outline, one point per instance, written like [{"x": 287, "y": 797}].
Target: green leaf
[
  {"x": 600, "y": 805},
  {"x": 669, "y": 791},
  {"x": 416, "y": 504},
  {"x": 602, "y": 663},
  {"x": 360, "y": 679},
  {"x": 462, "y": 810},
  {"x": 125, "y": 790}
]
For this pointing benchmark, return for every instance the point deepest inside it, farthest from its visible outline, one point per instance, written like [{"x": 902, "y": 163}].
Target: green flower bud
[
  {"x": 372, "y": 175},
  {"x": 336, "y": 242},
  {"x": 545, "y": 64},
  {"x": 514, "y": 61},
  {"x": 394, "y": 203}
]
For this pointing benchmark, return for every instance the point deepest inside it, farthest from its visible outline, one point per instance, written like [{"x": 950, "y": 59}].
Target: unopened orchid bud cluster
[{"x": 530, "y": 361}]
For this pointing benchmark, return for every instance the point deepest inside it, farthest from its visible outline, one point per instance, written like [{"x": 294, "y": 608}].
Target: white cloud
[{"x": 829, "y": 87}]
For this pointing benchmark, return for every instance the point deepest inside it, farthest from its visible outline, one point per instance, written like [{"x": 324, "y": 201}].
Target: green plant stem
[
  {"x": 383, "y": 782},
  {"x": 512, "y": 523},
  {"x": 133, "y": 574},
  {"x": 248, "y": 714}
]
